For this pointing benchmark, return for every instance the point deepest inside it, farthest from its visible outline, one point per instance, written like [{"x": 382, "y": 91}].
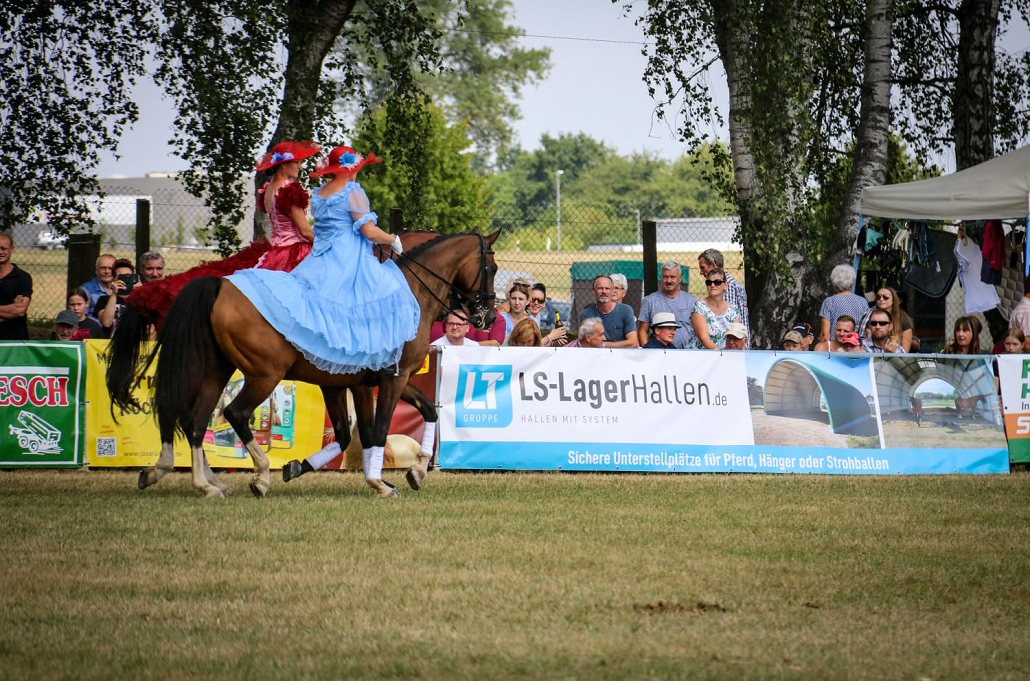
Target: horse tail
[
  {"x": 125, "y": 367},
  {"x": 185, "y": 344}
]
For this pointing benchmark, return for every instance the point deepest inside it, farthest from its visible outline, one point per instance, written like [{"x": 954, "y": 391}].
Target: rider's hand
[{"x": 396, "y": 245}]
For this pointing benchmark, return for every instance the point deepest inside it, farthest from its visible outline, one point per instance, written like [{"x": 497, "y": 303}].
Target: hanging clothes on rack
[
  {"x": 979, "y": 296},
  {"x": 993, "y": 252}
]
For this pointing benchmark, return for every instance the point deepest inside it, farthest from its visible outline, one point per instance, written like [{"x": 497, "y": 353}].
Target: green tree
[
  {"x": 482, "y": 75},
  {"x": 220, "y": 62},
  {"x": 455, "y": 194}
]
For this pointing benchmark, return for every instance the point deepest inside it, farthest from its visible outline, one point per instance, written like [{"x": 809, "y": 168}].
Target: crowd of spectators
[{"x": 670, "y": 318}]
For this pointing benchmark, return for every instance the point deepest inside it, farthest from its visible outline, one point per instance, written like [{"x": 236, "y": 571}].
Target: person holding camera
[{"x": 108, "y": 307}]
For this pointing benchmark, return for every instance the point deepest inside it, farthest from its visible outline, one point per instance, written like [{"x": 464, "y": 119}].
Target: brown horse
[
  {"x": 213, "y": 329},
  {"x": 968, "y": 405}
]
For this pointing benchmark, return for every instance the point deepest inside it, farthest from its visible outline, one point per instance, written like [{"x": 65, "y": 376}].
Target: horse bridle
[{"x": 480, "y": 305}]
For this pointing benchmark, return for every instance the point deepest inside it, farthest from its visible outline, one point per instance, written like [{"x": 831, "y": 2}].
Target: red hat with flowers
[
  {"x": 343, "y": 159},
  {"x": 288, "y": 151}
]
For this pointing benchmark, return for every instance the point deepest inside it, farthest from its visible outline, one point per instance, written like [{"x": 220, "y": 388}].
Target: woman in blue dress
[{"x": 341, "y": 308}]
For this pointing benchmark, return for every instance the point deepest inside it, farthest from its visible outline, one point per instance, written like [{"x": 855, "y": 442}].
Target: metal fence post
[
  {"x": 83, "y": 251},
  {"x": 142, "y": 228},
  {"x": 649, "y": 237}
]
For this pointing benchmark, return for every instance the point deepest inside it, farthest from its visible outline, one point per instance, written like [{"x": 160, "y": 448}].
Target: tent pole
[
  {"x": 858, "y": 254},
  {"x": 1026, "y": 250}
]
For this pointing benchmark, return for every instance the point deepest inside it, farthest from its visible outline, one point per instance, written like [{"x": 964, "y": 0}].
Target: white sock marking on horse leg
[
  {"x": 366, "y": 460},
  {"x": 375, "y": 463},
  {"x": 324, "y": 455},
  {"x": 428, "y": 438}
]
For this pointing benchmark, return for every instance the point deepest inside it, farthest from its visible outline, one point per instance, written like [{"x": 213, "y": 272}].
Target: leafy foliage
[
  {"x": 454, "y": 194},
  {"x": 67, "y": 81},
  {"x": 483, "y": 69}
]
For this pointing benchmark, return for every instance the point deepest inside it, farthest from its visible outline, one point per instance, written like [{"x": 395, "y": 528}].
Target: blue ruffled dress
[{"x": 341, "y": 308}]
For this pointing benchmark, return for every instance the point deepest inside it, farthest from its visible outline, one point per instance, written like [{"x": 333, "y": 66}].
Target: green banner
[{"x": 41, "y": 404}]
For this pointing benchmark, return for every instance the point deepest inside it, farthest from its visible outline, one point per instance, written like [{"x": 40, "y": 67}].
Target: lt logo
[{"x": 484, "y": 396}]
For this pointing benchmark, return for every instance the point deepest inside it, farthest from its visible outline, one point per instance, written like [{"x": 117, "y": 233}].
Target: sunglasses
[
  {"x": 883, "y": 296},
  {"x": 539, "y": 301},
  {"x": 714, "y": 282},
  {"x": 455, "y": 325},
  {"x": 875, "y": 323}
]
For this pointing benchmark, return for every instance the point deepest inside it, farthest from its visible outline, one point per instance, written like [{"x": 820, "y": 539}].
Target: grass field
[
  {"x": 517, "y": 576},
  {"x": 49, "y": 270}
]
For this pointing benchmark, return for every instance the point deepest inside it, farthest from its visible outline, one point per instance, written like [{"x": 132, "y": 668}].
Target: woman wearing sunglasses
[
  {"x": 555, "y": 336},
  {"x": 888, "y": 299},
  {"x": 713, "y": 314}
]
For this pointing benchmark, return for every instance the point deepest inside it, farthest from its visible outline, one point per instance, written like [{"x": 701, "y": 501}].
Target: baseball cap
[
  {"x": 793, "y": 336},
  {"x": 850, "y": 339},
  {"x": 67, "y": 317},
  {"x": 737, "y": 330}
]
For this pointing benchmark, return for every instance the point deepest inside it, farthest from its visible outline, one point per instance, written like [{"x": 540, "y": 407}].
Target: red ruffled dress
[{"x": 286, "y": 249}]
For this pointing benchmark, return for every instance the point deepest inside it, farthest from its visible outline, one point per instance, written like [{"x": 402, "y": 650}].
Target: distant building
[{"x": 686, "y": 235}]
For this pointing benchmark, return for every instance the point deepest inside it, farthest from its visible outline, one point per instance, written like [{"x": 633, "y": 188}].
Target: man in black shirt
[{"x": 15, "y": 294}]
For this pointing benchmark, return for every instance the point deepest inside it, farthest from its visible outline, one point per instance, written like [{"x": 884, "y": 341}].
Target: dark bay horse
[{"x": 213, "y": 329}]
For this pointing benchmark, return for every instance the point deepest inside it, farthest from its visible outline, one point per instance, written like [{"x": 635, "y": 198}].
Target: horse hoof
[
  {"x": 291, "y": 470},
  {"x": 384, "y": 490},
  {"x": 259, "y": 489},
  {"x": 143, "y": 481},
  {"x": 415, "y": 476},
  {"x": 214, "y": 493}
]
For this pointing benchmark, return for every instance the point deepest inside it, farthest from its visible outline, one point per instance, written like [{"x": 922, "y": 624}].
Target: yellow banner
[{"x": 288, "y": 425}]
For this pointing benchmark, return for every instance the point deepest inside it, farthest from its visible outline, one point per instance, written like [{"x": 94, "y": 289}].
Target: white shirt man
[
  {"x": 454, "y": 330},
  {"x": 669, "y": 298}
]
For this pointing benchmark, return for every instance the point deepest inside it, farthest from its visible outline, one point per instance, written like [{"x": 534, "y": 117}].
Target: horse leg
[
  {"x": 372, "y": 450},
  {"x": 416, "y": 398},
  {"x": 255, "y": 390},
  {"x": 336, "y": 405},
  {"x": 211, "y": 388},
  {"x": 165, "y": 464}
]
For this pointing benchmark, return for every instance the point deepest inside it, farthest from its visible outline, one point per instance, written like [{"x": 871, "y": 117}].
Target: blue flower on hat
[
  {"x": 348, "y": 159},
  {"x": 279, "y": 157}
]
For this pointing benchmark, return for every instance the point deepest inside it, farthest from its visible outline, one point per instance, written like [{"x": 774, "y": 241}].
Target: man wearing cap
[
  {"x": 791, "y": 341},
  {"x": 663, "y": 328},
  {"x": 881, "y": 333},
  {"x": 669, "y": 298},
  {"x": 15, "y": 294},
  {"x": 66, "y": 325},
  {"x": 736, "y": 336},
  {"x": 850, "y": 342}
]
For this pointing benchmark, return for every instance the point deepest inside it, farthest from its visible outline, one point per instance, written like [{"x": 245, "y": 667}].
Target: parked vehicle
[{"x": 48, "y": 240}]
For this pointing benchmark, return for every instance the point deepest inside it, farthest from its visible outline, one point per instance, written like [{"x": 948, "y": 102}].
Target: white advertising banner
[
  {"x": 705, "y": 411},
  {"x": 590, "y": 409}
]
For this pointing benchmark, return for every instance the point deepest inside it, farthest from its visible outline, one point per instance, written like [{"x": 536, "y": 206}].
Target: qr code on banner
[{"x": 107, "y": 446}]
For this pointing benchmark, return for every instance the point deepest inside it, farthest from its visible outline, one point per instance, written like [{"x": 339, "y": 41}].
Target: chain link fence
[{"x": 562, "y": 248}]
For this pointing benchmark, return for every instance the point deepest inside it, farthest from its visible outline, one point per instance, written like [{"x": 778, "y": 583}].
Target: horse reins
[{"x": 484, "y": 298}]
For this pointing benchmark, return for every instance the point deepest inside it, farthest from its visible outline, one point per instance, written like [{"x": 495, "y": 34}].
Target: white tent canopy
[{"x": 996, "y": 189}]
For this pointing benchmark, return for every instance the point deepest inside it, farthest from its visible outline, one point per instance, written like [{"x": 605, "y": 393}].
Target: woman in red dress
[{"x": 285, "y": 201}]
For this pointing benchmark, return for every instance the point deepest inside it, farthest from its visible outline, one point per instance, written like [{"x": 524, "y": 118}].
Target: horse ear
[
  {"x": 491, "y": 238},
  {"x": 475, "y": 230}
]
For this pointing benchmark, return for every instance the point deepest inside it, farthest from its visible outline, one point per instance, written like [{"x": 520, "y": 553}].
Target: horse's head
[{"x": 474, "y": 283}]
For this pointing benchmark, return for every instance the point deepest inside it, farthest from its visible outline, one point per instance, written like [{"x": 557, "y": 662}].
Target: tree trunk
[
  {"x": 763, "y": 280},
  {"x": 313, "y": 28},
  {"x": 869, "y": 167},
  {"x": 973, "y": 97}
]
